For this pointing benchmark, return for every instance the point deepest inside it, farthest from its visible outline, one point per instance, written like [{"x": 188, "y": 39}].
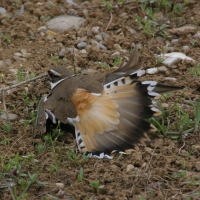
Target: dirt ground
[{"x": 49, "y": 166}]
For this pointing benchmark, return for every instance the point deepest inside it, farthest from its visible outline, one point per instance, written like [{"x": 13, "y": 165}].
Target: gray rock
[
  {"x": 117, "y": 47},
  {"x": 1, "y": 63},
  {"x": 118, "y": 31},
  {"x": 115, "y": 54},
  {"x": 42, "y": 28},
  {"x": 183, "y": 29},
  {"x": 170, "y": 59},
  {"x": 72, "y": 12},
  {"x": 23, "y": 51},
  {"x": 70, "y": 49},
  {"x": 132, "y": 31},
  {"x": 85, "y": 12},
  {"x": 60, "y": 185},
  {"x": 105, "y": 35},
  {"x": 197, "y": 35},
  {"x": 21, "y": 11},
  {"x": 170, "y": 49},
  {"x": 65, "y": 22},
  {"x": 139, "y": 46},
  {"x": 123, "y": 15},
  {"x": 101, "y": 46},
  {"x": 81, "y": 45},
  {"x": 83, "y": 51},
  {"x": 95, "y": 29},
  {"x": 30, "y": 33},
  {"x": 174, "y": 41},
  {"x": 129, "y": 168},
  {"x": 152, "y": 70},
  {"x": 26, "y": 55},
  {"x": 162, "y": 69},
  {"x": 42, "y": 34},
  {"x": 186, "y": 49},
  {"x": 2, "y": 11},
  {"x": 18, "y": 54},
  {"x": 70, "y": 2},
  {"x": 89, "y": 71},
  {"x": 99, "y": 37},
  {"x": 84, "y": 39},
  {"x": 61, "y": 53},
  {"x": 12, "y": 117},
  {"x": 170, "y": 79},
  {"x": 17, "y": 58},
  {"x": 7, "y": 62}
]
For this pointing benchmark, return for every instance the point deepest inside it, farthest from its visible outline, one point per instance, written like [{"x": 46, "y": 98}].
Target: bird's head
[{"x": 57, "y": 74}]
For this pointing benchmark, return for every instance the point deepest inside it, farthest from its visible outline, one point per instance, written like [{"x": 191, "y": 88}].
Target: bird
[{"x": 108, "y": 110}]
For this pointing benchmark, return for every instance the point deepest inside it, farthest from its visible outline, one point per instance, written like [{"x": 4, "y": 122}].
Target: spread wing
[{"x": 114, "y": 119}]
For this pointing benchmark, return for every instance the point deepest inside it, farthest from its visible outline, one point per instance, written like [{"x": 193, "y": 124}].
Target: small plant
[
  {"x": 40, "y": 148},
  {"x": 7, "y": 127},
  {"x": 5, "y": 141},
  {"x": 55, "y": 59},
  {"x": 22, "y": 76},
  {"x": 107, "y": 4},
  {"x": 15, "y": 178},
  {"x": 117, "y": 61},
  {"x": 96, "y": 186},
  {"x": 193, "y": 43},
  {"x": 195, "y": 70},
  {"x": 7, "y": 39},
  {"x": 45, "y": 18},
  {"x": 51, "y": 140},
  {"x": 104, "y": 65},
  {"x": 80, "y": 175},
  {"x": 178, "y": 8}
]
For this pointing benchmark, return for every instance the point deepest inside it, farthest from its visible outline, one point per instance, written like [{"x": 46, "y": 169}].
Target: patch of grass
[
  {"x": 183, "y": 125},
  {"x": 149, "y": 20},
  {"x": 5, "y": 141},
  {"x": 14, "y": 177},
  {"x": 55, "y": 59},
  {"x": 23, "y": 76},
  {"x": 195, "y": 70},
  {"x": 6, "y": 38},
  {"x": 51, "y": 140},
  {"x": 7, "y": 128},
  {"x": 80, "y": 175},
  {"x": 104, "y": 65},
  {"x": 152, "y": 27},
  {"x": 40, "y": 148},
  {"x": 107, "y": 4},
  {"x": 96, "y": 186},
  {"x": 45, "y": 18},
  {"x": 117, "y": 61}
]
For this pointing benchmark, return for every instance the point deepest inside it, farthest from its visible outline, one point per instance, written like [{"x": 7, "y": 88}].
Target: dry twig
[
  {"x": 74, "y": 61},
  {"x": 4, "y": 105},
  {"x": 111, "y": 17},
  {"x": 21, "y": 83}
]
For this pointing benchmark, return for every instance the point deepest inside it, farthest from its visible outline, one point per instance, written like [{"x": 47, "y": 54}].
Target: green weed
[
  {"x": 7, "y": 128},
  {"x": 96, "y": 186},
  {"x": 80, "y": 175}
]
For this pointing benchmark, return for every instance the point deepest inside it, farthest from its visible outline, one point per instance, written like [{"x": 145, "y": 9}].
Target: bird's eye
[{"x": 51, "y": 74}]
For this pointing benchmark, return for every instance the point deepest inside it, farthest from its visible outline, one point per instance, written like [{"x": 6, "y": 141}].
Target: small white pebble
[
  {"x": 153, "y": 70},
  {"x": 60, "y": 185},
  {"x": 170, "y": 79},
  {"x": 129, "y": 168}
]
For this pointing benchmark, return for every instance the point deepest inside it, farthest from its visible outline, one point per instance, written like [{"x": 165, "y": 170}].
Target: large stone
[
  {"x": 170, "y": 59},
  {"x": 183, "y": 29},
  {"x": 65, "y": 22},
  {"x": 12, "y": 117},
  {"x": 2, "y": 11}
]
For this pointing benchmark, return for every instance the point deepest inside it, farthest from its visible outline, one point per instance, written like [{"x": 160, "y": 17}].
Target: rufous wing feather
[{"x": 116, "y": 118}]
